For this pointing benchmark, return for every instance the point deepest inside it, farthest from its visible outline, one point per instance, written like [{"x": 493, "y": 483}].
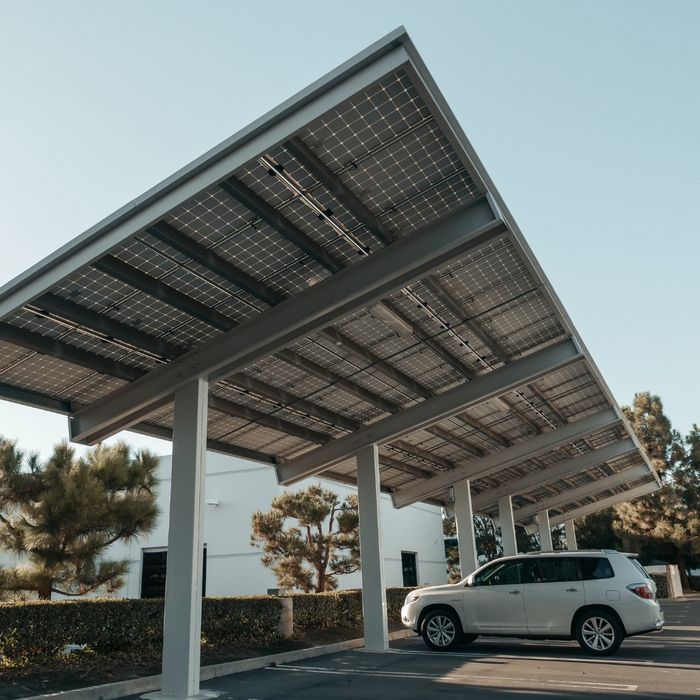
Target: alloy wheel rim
[
  {"x": 598, "y": 633},
  {"x": 441, "y": 630}
]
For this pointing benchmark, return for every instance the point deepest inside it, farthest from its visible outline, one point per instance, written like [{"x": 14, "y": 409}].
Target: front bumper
[{"x": 409, "y": 616}]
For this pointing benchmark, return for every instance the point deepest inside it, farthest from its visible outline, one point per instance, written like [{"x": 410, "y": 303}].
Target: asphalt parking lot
[{"x": 664, "y": 665}]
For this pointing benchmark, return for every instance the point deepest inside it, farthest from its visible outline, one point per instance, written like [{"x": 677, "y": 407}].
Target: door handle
[
  {"x": 514, "y": 592},
  {"x": 572, "y": 590}
]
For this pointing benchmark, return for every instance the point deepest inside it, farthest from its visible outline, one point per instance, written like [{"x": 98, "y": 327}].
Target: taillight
[{"x": 643, "y": 590}]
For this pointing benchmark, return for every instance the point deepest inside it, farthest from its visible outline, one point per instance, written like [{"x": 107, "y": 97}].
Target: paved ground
[{"x": 665, "y": 665}]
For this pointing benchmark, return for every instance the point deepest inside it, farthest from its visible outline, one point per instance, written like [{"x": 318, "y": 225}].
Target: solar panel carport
[{"x": 338, "y": 288}]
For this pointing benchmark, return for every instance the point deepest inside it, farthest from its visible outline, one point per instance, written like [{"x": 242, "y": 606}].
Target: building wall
[{"x": 234, "y": 567}]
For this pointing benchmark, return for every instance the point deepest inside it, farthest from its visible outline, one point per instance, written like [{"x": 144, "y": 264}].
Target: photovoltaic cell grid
[{"x": 387, "y": 148}]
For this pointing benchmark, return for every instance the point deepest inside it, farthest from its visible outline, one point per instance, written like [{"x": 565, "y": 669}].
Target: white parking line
[
  {"x": 571, "y": 659},
  {"x": 454, "y": 677}
]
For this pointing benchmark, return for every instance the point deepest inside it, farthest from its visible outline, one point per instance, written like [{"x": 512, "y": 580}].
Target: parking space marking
[
  {"x": 570, "y": 659},
  {"x": 454, "y": 677}
]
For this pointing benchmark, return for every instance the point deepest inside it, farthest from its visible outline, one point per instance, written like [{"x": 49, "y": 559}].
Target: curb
[{"x": 135, "y": 686}]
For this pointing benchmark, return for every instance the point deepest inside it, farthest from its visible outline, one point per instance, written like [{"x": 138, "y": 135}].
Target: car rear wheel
[
  {"x": 441, "y": 630},
  {"x": 599, "y": 633}
]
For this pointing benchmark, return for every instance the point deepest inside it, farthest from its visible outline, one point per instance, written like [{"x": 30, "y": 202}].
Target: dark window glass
[
  {"x": 593, "y": 568},
  {"x": 410, "y": 571},
  {"x": 566, "y": 569},
  {"x": 554, "y": 570},
  {"x": 500, "y": 574},
  {"x": 154, "y": 569}
]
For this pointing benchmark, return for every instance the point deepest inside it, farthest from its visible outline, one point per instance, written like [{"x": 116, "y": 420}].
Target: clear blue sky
[{"x": 586, "y": 115}]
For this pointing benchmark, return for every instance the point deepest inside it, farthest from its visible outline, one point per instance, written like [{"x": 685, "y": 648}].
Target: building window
[
  {"x": 153, "y": 570},
  {"x": 410, "y": 570}
]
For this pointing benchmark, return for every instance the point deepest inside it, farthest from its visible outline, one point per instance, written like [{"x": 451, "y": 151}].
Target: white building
[{"x": 413, "y": 539}]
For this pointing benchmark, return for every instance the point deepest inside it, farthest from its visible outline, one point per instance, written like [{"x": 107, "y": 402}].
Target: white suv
[{"x": 596, "y": 597}]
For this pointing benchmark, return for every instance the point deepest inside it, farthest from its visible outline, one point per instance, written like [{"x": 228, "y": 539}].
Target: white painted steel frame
[
  {"x": 570, "y": 533},
  {"x": 569, "y": 496},
  {"x": 183, "y": 585},
  {"x": 630, "y": 495},
  {"x": 354, "y": 287},
  {"x": 554, "y": 472},
  {"x": 505, "y": 458},
  {"x": 507, "y": 525},
  {"x": 374, "y": 610},
  {"x": 544, "y": 528},
  {"x": 431, "y": 411},
  {"x": 464, "y": 519}
]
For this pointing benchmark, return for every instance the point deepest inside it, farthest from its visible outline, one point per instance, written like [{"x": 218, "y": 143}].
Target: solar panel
[{"x": 380, "y": 163}]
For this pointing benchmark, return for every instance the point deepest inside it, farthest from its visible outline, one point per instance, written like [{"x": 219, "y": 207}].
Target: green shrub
[
  {"x": 661, "y": 585},
  {"x": 340, "y": 609},
  {"x": 40, "y": 629}
]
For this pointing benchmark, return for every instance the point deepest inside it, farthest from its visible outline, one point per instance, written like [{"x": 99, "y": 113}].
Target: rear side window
[
  {"x": 594, "y": 568},
  {"x": 554, "y": 570},
  {"x": 639, "y": 567}
]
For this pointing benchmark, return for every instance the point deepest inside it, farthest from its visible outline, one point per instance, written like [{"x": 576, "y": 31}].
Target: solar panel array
[{"x": 169, "y": 289}]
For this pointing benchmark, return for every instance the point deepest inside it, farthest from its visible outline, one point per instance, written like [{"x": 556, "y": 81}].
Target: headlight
[{"x": 412, "y": 597}]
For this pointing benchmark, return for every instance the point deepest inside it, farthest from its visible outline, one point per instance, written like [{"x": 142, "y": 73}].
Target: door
[
  {"x": 552, "y": 593},
  {"x": 409, "y": 568},
  {"x": 493, "y": 602}
]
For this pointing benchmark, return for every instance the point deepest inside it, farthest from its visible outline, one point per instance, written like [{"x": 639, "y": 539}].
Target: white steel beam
[
  {"x": 431, "y": 411},
  {"x": 505, "y": 458},
  {"x": 356, "y": 286},
  {"x": 554, "y": 472},
  {"x": 183, "y": 586},
  {"x": 603, "y": 503},
  {"x": 589, "y": 489},
  {"x": 464, "y": 519},
  {"x": 507, "y": 524},
  {"x": 570, "y": 532},
  {"x": 374, "y": 609},
  {"x": 544, "y": 529}
]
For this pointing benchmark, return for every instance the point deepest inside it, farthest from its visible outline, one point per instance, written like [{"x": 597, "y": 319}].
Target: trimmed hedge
[
  {"x": 340, "y": 609},
  {"x": 107, "y": 626},
  {"x": 661, "y": 585},
  {"x": 39, "y": 629}
]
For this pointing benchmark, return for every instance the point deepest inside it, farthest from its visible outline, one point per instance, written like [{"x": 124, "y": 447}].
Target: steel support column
[
  {"x": 373, "y": 589},
  {"x": 505, "y": 515},
  {"x": 545, "y": 531},
  {"x": 183, "y": 587},
  {"x": 570, "y": 530},
  {"x": 464, "y": 518}
]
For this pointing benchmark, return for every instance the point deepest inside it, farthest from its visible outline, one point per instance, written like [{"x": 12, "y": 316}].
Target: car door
[
  {"x": 552, "y": 593},
  {"x": 493, "y": 601}
]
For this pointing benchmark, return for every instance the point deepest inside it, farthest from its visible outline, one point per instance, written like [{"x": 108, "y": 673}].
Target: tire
[
  {"x": 469, "y": 638},
  {"x": 441, "y": 630},
  {"x": 599, "y": 633}
]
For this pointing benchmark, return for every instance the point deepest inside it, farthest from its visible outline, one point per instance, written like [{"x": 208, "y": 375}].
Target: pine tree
[
  {"x": 58, "y": 518},
  {"x": 667, "y": 522},
  {"x": 321, "y": 545}
]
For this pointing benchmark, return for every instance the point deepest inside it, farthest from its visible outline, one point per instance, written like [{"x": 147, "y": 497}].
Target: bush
[
  {"x": 340, "y": 609},
  {"x": 661, "y": 585},
  {"x": 42, "y": 629}
]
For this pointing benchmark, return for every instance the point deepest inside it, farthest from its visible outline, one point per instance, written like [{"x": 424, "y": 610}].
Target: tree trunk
[{"x": 44, "y": 592}]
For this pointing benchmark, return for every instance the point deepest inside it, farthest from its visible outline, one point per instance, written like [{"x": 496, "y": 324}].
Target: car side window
[
  {"x": 595, "y": 568},
  {"x": 500, "y": 574},
  {"x": 566, "y": 569}
]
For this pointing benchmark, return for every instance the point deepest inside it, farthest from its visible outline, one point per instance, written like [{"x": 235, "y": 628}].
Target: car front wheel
[
  {"x": 441, "y": 630},
  {"x": 599, "y": 633}
]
